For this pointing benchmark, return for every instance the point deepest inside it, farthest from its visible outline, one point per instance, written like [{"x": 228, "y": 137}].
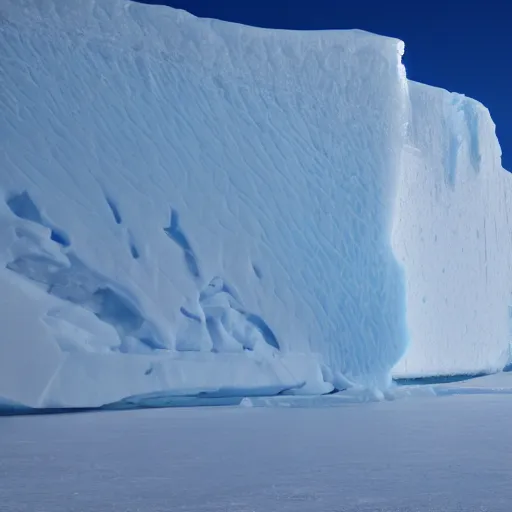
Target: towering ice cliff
[{"x": 191, "y": 207}]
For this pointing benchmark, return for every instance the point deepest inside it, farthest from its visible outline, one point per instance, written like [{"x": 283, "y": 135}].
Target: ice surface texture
[
  {"x": 452, "y": 232},
  {"x": 421, "y": 455},
  {"x": 192, "y": 206}
]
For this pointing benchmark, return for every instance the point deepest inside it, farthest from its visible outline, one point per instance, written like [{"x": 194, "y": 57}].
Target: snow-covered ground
[{"x": 419, "y": 454}]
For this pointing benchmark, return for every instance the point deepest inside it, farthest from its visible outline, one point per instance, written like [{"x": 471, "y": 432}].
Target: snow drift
[{"x": 192, "y": 207}]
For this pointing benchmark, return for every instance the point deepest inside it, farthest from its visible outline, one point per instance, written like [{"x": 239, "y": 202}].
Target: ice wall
[
  {"x": 195, "y": 208},
  {"x": 191, "y": 206},
  {"x": 453, "y": 234}
]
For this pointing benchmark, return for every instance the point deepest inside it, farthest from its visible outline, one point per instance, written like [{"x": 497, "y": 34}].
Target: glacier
[{"x": 196, "y": 208}]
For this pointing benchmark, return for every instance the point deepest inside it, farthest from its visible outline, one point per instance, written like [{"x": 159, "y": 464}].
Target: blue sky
[{"x": 461, "y": 46}]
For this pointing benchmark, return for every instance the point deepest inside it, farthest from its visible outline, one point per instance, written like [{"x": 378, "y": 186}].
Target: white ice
[
  {"x": 452, "y": 233},
  {"x": 194, "y": 207}
]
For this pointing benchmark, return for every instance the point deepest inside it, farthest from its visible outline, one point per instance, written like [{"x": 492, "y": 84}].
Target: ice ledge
[{"x": 97, "y": 380}]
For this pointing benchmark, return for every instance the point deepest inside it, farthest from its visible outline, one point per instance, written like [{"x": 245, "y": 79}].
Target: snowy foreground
[
  {"x": 420, "y": 454},
  {"x": 195, "y": 208}
]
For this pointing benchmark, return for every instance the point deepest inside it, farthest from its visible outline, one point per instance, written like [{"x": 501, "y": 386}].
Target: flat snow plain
[{"x": 436, "y": 449}]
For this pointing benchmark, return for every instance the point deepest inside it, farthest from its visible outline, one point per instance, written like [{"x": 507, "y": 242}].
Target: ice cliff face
[
  {"x": 191, "y": 206},
  {"x": 453, "y": 234}
]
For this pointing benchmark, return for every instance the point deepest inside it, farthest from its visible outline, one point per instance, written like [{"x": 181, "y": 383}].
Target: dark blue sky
[{"x": 461, "y": 46}]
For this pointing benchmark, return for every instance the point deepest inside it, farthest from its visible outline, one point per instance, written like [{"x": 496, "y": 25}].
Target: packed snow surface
[
  {"x": 193, "y": 207},
  {"x": 420, "y": 455}
]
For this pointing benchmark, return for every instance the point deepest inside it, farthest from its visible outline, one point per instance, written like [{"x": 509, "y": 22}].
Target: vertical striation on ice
[{"x": 452, "y": 233}]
